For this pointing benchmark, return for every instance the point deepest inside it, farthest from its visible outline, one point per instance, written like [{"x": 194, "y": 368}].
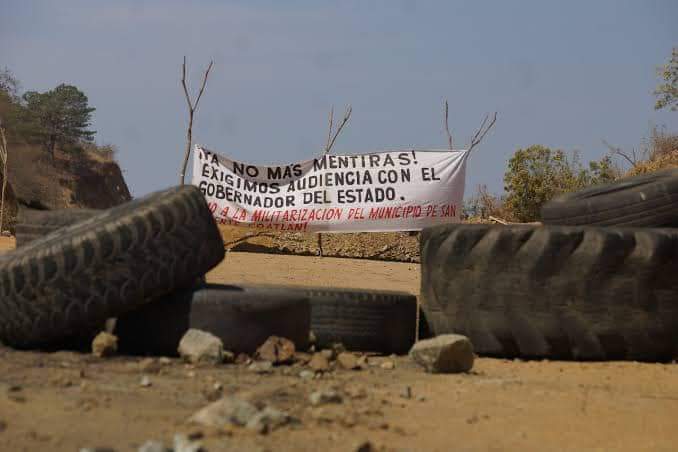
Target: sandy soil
[{"x": 66, "y": 401}]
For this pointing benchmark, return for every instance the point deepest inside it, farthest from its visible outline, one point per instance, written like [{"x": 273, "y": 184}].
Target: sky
[{"x": 566, "y": 75}]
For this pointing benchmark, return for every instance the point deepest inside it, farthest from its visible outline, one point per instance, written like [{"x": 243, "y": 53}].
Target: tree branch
[
  {"x": 204, "y": 82},
  {"x": 347, "y": 116},
  {"x": 191, "y": 111},
  {"x": 447, "y": 127},
  {"x": 329, "y": 132},
  {"x": 618, "y": 151},
  {"x": 480, "y": 134}
]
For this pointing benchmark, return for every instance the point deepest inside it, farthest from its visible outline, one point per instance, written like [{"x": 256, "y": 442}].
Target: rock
[
  {"x": 306, "y": 375},
  {"x": 104, "y": 344},
  {"x": 338, "y": 347},
  {"x": 267, "y": 420},
  {"x": 213, "y": 392},
  {"x": 165, "y": 361},
  {"x": 277, "y": 350},
  {"x": 302, "y": 357},
  {"x": 225, "y": 411},
  {"x": 388, "y": 365},
  {"x": 365, "y": 446},
  {"x": 183, "y": 444},
  {"x": 348, "y": 361},
  {"x": 145, "y": 381},
  {"x": 229, "y": 357},
  {"x": 406, "y": 393},
  {"x": 362, "y": 361},
  {"x": 152, "y": 446},
  {"x": 324, "y": 397},
  {"x": 261, "y": 367},
  {"x": 200, "y": 347},
  {"x": 319, "y": 363},
  {"x": 328, "y": 353},
  {"x": 242, "y": 358},
  {"x": 448, "y": 353},
  {"x": 149, "y": 365}
]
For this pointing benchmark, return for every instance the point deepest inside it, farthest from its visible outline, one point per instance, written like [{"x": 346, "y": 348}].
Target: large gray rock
[
  {"x": 200, "y": 347},
  {"x": 448, "y": 353}
]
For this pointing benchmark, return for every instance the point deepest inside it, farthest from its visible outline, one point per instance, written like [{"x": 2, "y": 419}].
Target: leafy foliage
[
  {"x": 667, "y": 92},
  {"x": 59, "y": 117},
  {"x": 537, "y": 174}
]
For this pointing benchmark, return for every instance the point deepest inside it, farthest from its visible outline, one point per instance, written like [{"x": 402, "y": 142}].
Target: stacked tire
[
  {"x": 596, "y": 282},
  {"x": 243, "y": 317}
]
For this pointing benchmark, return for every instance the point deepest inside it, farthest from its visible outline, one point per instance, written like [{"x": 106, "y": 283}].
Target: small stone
[
  {"x": 362, "y": 361},
  {"x": 229, "y": 357},
  {"x": 328, "y": 353},
  {"x": 267, "y": 420},
  {"x": 149, "y": 365},
  {"x": 261, "y": 367},
  {"x": 348, "y": 361},
  {"x": 145, "y": 381},
  {"x": 183, "y": 444},
  {"x": 242, "y": 358},
  {"x": 406, "y": 393},
  {"x": 104, "y": 344},
  {"x": 200, "y": 347},
  {"x": 306, "y": 375},
  {"x": 365, "y": 446},
  {"x": 225, "y": 411},
  {"x": 324, "y": 397},
  {"x": 164, "y": 360},
  {"x": 277, "y": 350},
  {"x": 448, "y": 353},
  {"x": 388, "y": 365},
  {"x": 302, "y": 357},
  {"x": 338, "y": 347},
  {"x": 213, "y": 392},
  {"x": 152, "y": 446},
  {"x": 319, "y": 363}
]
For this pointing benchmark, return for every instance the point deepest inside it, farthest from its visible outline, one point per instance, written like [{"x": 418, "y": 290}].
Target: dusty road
[{"x": 66, "y": 401}]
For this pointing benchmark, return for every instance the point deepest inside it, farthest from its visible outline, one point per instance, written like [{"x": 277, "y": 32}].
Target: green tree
[
  {"x": 537, "y": 174},
  {"x": 667, "y": 92},
  {"x": 60, "y": 116}
]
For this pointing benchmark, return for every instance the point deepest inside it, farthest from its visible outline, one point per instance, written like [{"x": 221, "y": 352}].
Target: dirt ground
[{"x": 67, "y": 401}]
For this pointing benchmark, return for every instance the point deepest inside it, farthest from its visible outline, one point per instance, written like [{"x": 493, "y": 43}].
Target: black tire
[
  {"x": 362, "y": 320},
  {"x": 33, "y": 224},
  {"x": 242, "y": 317},
  {"x": 73, "y": 279},
  {"x": 553, "y": 291},
  {"x": 648, "y": 200}
]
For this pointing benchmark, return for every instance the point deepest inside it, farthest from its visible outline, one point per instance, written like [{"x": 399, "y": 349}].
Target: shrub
[{"x": 537, "y": 174}]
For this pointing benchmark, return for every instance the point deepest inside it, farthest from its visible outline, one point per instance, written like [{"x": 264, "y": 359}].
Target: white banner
[{"x": 376, "y": 192}]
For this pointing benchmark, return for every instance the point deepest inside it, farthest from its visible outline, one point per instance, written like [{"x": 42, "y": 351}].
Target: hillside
[{"x": 84, "y": 178}]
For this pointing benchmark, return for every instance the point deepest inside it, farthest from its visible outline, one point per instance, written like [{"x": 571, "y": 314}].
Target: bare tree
[
  {"x": 192, "y": 107},
  {"x": 482, "y": 131},
  {"x": 328, "y": 147},
  {"x": 479, "y": 135},
  {"x": 631, "y": 158},
  {"x": 447, "y": 127},
  {"x": 3, "y": 160}
]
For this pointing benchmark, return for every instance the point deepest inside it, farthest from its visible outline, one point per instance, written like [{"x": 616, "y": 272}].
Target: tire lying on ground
[
  {"x": 362, "y": 320},
  {"x": 553, "y": 291},
  {"x": 32, "y": 223},
  {"x": 243, "y": 317},
  {"x": 75, "y": 278},
  {"x": 649, "y": 200}
]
